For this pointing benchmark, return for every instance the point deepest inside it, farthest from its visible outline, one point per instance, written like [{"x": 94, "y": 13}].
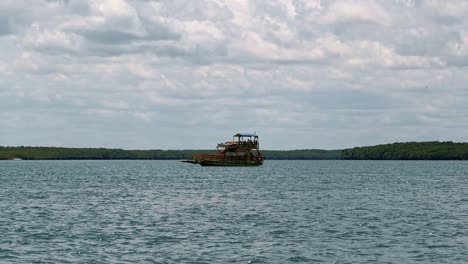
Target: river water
[{"x": 281, "y": 212}]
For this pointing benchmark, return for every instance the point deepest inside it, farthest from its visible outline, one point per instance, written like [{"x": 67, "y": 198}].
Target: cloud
[
  {"x": 342, "y": 12},
  {"x": 328, "y": 74}
]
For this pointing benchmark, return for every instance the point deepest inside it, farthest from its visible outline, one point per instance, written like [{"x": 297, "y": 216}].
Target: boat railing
[
  {"x": 252, "y": 144},
  {"x": 217, "y": 157}
]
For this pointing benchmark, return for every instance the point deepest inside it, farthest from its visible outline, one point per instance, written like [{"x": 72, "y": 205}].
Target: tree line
[
  {"x": 434, "y": 150},
  {"x": 56, "y": 153}
]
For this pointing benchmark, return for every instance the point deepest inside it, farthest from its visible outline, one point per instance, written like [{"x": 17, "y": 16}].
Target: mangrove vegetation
[
  {"x": 54, "y": 153},
  {"x": 397, "y": 151},
  {"x": 434, "y": 150}
]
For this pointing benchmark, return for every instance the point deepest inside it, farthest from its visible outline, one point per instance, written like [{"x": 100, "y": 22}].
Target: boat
[{"x": 243, "y": 150}]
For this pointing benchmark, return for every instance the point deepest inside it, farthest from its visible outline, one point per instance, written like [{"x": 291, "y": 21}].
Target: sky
[{"x": 187, "y": 74}]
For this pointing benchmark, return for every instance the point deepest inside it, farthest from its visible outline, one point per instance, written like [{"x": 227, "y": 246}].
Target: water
[{"x": 281, "y": 212}]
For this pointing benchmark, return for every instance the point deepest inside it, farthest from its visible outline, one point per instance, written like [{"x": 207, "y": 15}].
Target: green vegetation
[
  {"x": 396, "y": 151},
  {"x": 302, "y": 154},
  {"x": 52, "y": 153},
  {"x": 410, "y": 151}
]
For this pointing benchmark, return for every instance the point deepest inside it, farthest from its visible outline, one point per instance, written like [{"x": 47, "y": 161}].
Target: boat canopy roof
[{"x": 246, "y": 135}]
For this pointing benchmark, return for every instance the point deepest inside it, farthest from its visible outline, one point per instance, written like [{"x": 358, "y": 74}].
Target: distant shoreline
[{"x": 433, "y": 150}]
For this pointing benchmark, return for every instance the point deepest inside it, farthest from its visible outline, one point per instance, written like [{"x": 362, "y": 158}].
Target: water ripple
[{"x": 282, "y": 212}]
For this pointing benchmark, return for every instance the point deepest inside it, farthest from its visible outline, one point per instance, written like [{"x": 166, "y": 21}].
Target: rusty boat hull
[{"x": 215, "y": 160}]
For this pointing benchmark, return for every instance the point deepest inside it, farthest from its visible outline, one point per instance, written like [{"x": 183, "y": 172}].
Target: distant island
[{"x": 434, "y": 150}]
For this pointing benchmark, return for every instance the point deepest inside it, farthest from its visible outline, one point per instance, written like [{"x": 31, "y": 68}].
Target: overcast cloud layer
[{"x": 188, "y": 74}]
